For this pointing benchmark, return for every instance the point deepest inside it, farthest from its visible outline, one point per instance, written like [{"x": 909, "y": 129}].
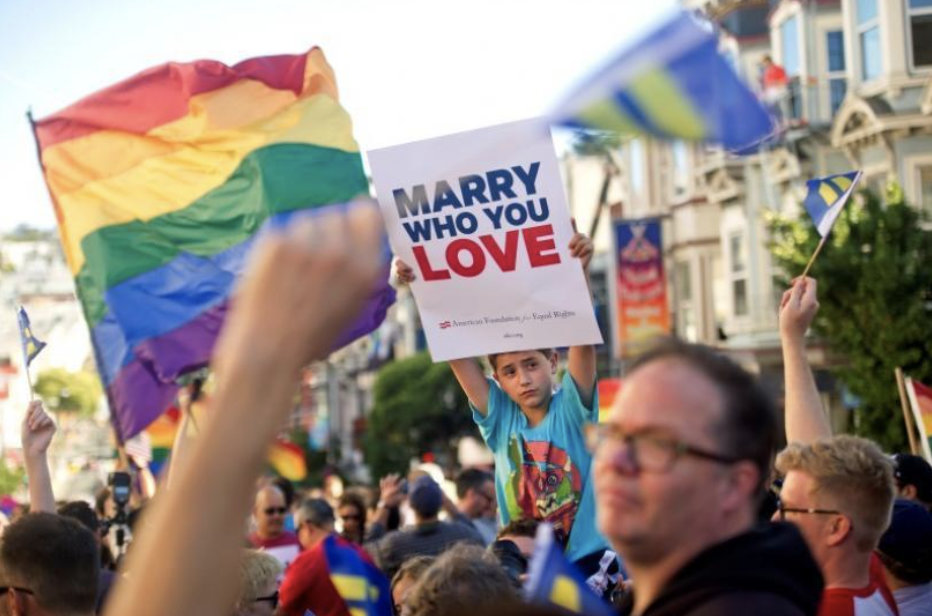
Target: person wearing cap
[
  {"x": 307, "y": 586},
  {"x": 428, "y": 536},
  {"x": 913, "y": 478},
  {"x": 905, "y": 551}
]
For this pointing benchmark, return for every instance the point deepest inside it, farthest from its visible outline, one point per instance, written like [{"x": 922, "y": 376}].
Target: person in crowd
[
  {"x": 352, "y": 511},
  {"x": 405, "y": 578},
  {"x": 259, "y": 573},
  {"x": 680, "y": 468},
  {"x": 393, "y": 491},
  {"x": 913, "y": 478},
  {"x": 51, "y": 564},
  {"x": 330, "y": 262},
  {"x": 428, "y": 536},
  {"x": 542, "y": 466},
  {"x": 465, "y": 577},
  {"x": 307, "y": 586},
  {"x": 85, "y": 514},
  {"x": 905, "y": 551},
  {"x": 475, "y": 502},
  {"x": 270, "y": 535},
  {"x": 839, "y": 490},
  {"x": 514, "y": 546},
  {"x": 287, "y": 489}
]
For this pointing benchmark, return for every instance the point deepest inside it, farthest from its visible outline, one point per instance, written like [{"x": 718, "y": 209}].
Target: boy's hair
[
  {"x": 854, "y": 475},
  {"x": 413, "y": 568},
  {"x": 257, "y": 569},
  {"x": 56, "y": 558},
  {"x": 493, "y": 357},
  {"x": 522, "y": 527},
  {"x": 471, "y": 479}
]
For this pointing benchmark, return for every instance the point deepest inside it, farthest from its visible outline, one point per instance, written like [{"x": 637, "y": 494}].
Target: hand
[
  {"x": 581, "y": 248},
  {"x": 390, "y": 493},
  {"x": 38, "y": 430},
  {"x": 404, "y": 272},
  {"x": 301, "y": 289},
  {"x": 798, "y": 308}
]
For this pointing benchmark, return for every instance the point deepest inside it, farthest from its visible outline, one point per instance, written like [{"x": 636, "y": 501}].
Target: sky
[{"x": 406, "y": 69}]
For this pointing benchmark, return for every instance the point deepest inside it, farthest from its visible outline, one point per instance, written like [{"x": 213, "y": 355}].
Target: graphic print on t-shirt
[{"x": 544, "y": 484}]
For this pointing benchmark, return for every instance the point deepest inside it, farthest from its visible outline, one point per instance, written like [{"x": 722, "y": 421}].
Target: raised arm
[
  {"x": 300, "y": 290},
  {"x": 805, "y": 418},
  {"x": 581, "y": 359},
  {"x": 38, "y": 430}
]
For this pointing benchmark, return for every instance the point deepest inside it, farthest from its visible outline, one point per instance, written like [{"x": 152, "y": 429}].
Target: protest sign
[{"x": 482, "y": 218}]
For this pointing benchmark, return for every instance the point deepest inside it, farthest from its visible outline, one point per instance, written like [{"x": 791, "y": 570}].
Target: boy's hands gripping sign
[{"x": 481, "y": 220}]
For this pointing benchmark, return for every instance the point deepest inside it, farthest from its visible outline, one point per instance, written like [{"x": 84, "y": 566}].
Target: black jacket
[{"x": 767, "y": 571}]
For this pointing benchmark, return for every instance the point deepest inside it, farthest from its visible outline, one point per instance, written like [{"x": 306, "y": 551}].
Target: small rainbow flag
[
  {"x": 288, "y": 460},
  {"x": 920, "y": 399},
  {"x": 160, "y": 185},
  {"x": 608, "y": 390}
]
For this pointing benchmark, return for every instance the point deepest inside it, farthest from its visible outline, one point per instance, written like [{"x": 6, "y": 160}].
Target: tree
[
  {"x": 419, "y": 407},
  {"x": 69, "y": 392},
  {"x": 11, "y": 479},
  {"x": 875, "y": 292}
]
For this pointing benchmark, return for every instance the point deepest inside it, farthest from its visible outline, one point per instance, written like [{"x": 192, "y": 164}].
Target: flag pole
[
  {"x": 907, "y": 413},
  {"x": 814, "y": 255}
]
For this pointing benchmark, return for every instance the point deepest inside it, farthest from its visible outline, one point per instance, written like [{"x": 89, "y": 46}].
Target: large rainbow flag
[
  {"x": 920, "y": 399},
  {"x": 161, "y": 183}
]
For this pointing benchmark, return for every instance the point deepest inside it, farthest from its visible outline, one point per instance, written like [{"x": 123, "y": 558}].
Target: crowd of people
[{"x": 685, "y": 501}]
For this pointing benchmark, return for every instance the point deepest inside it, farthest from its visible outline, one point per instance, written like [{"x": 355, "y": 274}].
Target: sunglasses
[
  {"x": 275, "y": 510},
  {"x": 273, "y": 599}
]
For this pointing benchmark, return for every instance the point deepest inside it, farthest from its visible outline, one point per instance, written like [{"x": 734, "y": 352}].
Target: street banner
[
  {"x": 920, "y": 399},
  {"x": 641, "y": 285},
  {"x": 482, "y": 219},
  {"x": 608, "y": 391}
]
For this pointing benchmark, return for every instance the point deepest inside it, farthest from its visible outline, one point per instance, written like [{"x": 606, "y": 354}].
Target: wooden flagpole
[{"x": 907, "y": 412}]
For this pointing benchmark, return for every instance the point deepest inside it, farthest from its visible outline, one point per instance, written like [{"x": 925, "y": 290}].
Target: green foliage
[
  {"x": 69, "y": 392},
  {"x": 419, "y": 407},
  {"x": 875, "y": 295},
  {"x": 11, "y": 479}
]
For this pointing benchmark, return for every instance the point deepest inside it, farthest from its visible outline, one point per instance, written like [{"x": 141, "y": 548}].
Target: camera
[{"x": 120, "y": 484}]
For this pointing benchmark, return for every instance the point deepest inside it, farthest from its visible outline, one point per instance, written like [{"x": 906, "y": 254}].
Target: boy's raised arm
[
  {"x": 471, "y": 378},
  {"x": 581, "y": 359}
]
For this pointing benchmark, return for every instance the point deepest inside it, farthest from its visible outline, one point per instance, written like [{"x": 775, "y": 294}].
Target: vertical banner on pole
[{"x": 641, "y": 285}]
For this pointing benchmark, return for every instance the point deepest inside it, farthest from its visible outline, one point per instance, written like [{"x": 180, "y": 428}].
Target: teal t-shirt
[{"x": 544, "y": 472}]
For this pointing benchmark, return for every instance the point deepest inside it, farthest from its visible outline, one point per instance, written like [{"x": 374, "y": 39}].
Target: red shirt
[
  {"x": 285, "y": 547},
  {"x": 872, "y": 600},
  {"x": 774, "y": 76}
]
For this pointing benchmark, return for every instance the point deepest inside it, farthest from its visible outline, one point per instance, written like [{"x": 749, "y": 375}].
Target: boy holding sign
[{"x": 542, "y": 466}]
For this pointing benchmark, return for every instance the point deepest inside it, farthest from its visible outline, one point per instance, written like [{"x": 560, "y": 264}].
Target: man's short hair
[
  {"x": 83, "y": 513},
  {"x": 748, "y": 429},
  {"x": 257, "y": 569},
  {"x": 353, "y": 498},
  {"x": 463, "y": 577},
  {"x": 522, "y": 527},
  {"x": 471, "y": 479},
  {"x": 493, "y": 357},
  {"x": 54, "y": 557},
  {"x": 317, "y": 511},
  {"x": 854, "y": 475}
]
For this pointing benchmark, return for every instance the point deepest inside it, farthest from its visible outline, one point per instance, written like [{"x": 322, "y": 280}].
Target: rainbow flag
[
  {"x": 920, "y": 399},
  {"x": 673, "y": 84},
  {"x": 608, "y": 390},
  {"x": 288, "y": 460},
  {"x": 160, "y": 185}
]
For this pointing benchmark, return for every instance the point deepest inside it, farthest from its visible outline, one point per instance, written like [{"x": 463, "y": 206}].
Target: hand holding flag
[{"x": 824, "y": 200}]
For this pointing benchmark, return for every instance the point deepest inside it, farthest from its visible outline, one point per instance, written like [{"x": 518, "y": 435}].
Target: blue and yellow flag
[
  {"x": 673, "y": 84},
  {"x": 553, "y": 580},
  {"x": 826, "y": 196},
  {"x": 363, "y": 587},
  {"x": 31, "y": 344}
]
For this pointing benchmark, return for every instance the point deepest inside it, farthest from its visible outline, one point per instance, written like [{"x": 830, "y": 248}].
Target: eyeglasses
[
  {"x": 351, "y": 516},
  {"x": 6, "y": 589},
  {"x": 273, "y": 599},
  {"x": 275, "y": 510},
  {"x": 785, "y": 510},
  {"x": 648, "y": 452}
]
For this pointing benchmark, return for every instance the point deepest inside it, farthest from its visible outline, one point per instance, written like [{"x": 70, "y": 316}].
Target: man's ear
[
  {"x": 840, "y": 529},
  {"x": 743, "y": 478},
  {"x": 908, "y": 491}
]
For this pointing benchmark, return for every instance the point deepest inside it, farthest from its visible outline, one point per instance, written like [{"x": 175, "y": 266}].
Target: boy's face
[{"x": 527, "y": 377}]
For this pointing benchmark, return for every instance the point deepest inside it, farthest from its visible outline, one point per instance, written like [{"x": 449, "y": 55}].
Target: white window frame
[
  {"x": 914, "y": 183},
  {"x": 838, "y": 74},
  {"x": 910, "y": 13},
  {"x": 860, "y": 29},
  {"x": 736, "y": 275}
]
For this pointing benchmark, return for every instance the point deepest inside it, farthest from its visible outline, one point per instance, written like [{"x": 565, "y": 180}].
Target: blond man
[{"x": 839, "y": 492}]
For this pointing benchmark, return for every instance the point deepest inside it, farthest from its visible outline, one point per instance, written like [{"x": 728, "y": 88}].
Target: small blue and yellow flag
[
  {"x": 31, "y": 344},
  {"x": 673, "y": 84},
  {"x": 553, "y": 580},
  {"x": 364, "y": 588},
  {"x": 826, "y": 196}
]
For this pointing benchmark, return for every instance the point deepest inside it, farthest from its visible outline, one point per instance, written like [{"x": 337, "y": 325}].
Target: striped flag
[
  {"x": 826, "y": 196},
  {"x": 673, "y": 84},
  {"x": 161, "y": 184},
  {"x": 32, "y": 346},
  {"x": 288, "y": 460},
  {"x": 920, "y": 399},
  {"x": 555, "y": 581},
  {"x": 364, "y": 588}
]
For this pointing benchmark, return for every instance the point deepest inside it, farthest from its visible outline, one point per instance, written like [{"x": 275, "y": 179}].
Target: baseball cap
[
  {"x": 914, "y": 470},
  {"x": 908, "y": 540},
  {"x": 425, "y": 496}
]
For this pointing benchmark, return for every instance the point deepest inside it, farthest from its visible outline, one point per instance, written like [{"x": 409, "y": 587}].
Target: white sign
[{"x": 482, "y": 218}]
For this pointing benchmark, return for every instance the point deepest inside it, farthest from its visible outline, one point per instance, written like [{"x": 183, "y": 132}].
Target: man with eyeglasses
[
  {"x": 50, "y": 564},
  {"x": 475, "y": 502},
  {"x": 679, "y": 470},
  {"x": 270, "y": 535}
]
